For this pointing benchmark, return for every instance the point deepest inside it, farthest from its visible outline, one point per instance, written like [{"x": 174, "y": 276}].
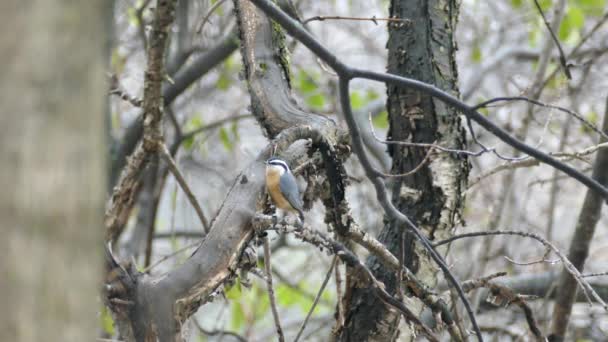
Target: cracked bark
[{"x": 421, "y": 48}]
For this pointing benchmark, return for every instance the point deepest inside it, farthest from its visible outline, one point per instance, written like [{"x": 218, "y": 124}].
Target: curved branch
[{"x": 347, "y": 73}]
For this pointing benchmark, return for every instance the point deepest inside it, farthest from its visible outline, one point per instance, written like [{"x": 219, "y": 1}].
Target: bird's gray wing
[{"x": 289, "y": 188}]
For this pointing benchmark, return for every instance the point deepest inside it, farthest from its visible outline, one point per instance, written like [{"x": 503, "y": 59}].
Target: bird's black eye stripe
[{"x": 279, "y": 163}]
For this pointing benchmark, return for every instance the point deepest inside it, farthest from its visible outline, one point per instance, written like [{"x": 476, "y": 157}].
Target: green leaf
[
  {"x": 592, "y": 7},
  {"x": 371, "y": 95},
  {"x": 234, "y": 291},
  {"x": 380, "y": 120},
  {"x": 516, "y": 3},
  {"x": 545, "y": 4},
  {"x": 132, "y": 16},
  {"x": 305, "y": 83},
  {"x": 225, "y": 139},
  {"x": 188, "y": 143},
  {"x": 237, "y": 318},
  {"x": 316, "y": 101},
  {"x": 107, "y": 323},
  {"x": 356, "y": 100},
  {"x": 573, "y": 21},
  {"x": 223, "y": 82},
  {"x": 476, "y": 53},
  {"x": 234, "y": 129}
]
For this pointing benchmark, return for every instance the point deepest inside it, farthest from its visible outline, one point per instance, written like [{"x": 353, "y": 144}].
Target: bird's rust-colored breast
[{"x": 273, "y": 178}]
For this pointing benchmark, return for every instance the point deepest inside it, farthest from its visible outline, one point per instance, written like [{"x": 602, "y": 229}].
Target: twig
[
  {"x": 587, "y": 289},
  {"x": 577, "y": 116},
  {"x": 213, "y": 125},
  {"x": 169, "y": 256},
  {"x": 218, "y": 332},
  {"x": 115, "y": 89},
  {"x": 180, "y": 233},
  {"x": 413, "y": 144},
  {"x": 182, "y": 182},
  {"x": 562, "y": 57},
  {"x": 543, "y": 259},
  {"x": 206, "y": 17},
  {"x": 264, "y": 222},
  {"x": 508, "y": 297},
  {"x": 339, "y": 304},
  {"x": 273, "y": 304},
  {"x": 583, "y": 40},
  {"x": 563, "y": 156},
  {"x": 601, "y": 274},
  {"x": 347, "y": 73},
  {"x": 314, "y": 303},
  {"x": 372, "y": 19}
]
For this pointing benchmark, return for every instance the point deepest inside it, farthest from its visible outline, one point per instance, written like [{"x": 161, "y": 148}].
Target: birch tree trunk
[{"x": 422, "y": 47}]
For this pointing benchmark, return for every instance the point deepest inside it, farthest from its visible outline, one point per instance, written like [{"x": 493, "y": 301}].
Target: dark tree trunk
[{"x": 422, "y": 48}]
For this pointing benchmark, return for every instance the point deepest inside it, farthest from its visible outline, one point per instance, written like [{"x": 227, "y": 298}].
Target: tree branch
[
  {"x": 572, "y": 270},
  {"x": 184, "y": 185},
  {"x": 581, "y": 241},
  {"x": 270, "y": 289}
]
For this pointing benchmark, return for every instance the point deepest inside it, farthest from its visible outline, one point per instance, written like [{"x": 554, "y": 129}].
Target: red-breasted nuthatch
[{"x": 282, "y": 186}]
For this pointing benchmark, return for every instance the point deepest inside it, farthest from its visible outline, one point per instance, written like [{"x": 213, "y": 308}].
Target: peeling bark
[{"x": 422, "y": 48}]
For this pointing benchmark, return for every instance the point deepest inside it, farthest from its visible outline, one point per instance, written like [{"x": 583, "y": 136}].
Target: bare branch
[
  {"x": 563, "y": 156},
  {"x": 269, "y": 287},
  {"x": 587, "y": 289},
  {"x": 314, "y": 237},
  {"x": 314, "y": 303},
  {"x": 372, "y": 19},
  {"x": 184, "y": 185},
  {"x": 562, "y": 57},
  {"x": 116, "y": 89},
  {"x": 215, "y": 6},
  {"x": 577, "y": 116},
  {"x": 579, "y": 246}
]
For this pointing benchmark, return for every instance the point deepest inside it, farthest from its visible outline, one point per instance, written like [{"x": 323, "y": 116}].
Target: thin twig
[
  {"x": 182, "y": 182},
  {"x": 577, "y": 116},
  {"x": 116, "y": 89},
  {"x": 601, "y": 274},
  {"x": 218, "y": 332},
  {"x": 413, "y": 144},
  {"x": 180, "y": 233},
  {"x": 273, "y": 304},
  {"x": 587, "y": 288},
  {"x": 562, "y": 57},
  {"x": 314, "y": 303},
  {"x": 214, "y": 125},
  {"x": 507, "y": 296},
  {"x": 339, "y": 304},
  {"x": 206, "y": 17},
  {"x": 563, "y": 156},
  {"x": 169, "y": 256},
  {"x": 582, "y": 42},
  {"x": 321, "y": 240},
  {"x": 372, "y": 19}
]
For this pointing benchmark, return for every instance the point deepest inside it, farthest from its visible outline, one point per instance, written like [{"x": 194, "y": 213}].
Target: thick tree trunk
[
  {"x": 422, "y": 48},
  {"x": 52, "y": 178}
]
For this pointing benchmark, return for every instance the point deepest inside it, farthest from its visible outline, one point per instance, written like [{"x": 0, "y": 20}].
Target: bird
[{"x": 282, "y": 187}]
